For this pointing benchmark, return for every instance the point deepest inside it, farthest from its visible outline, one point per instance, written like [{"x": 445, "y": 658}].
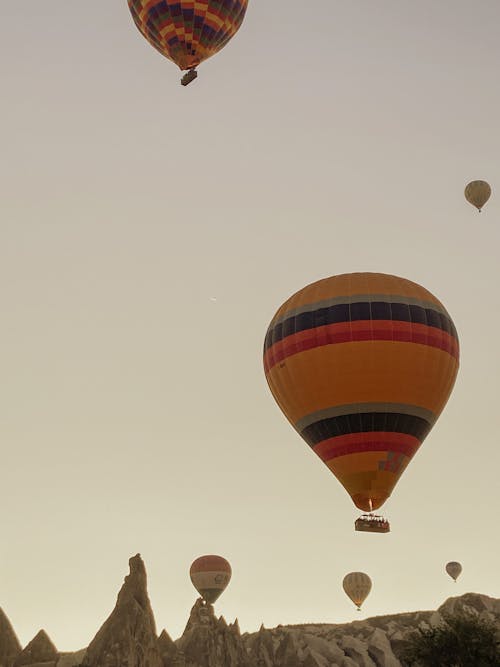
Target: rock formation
[
  {"x": 71, "y": 659},
  {"x": 210, "y": 642},
  {"x": 40, "y": 652},
  {"x": 167, "y": 648},
  {"x": 10, "y": 647},
  {"x": 128, "y": 637}
]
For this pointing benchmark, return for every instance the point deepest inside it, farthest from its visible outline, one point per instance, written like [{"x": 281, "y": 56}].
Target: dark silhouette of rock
[
  {"x": 374, "y": 642},
  {"x": 262, "y": 647},
  {"x": 128, "y": 637},
  {"x": 169, "y": 652},
  {"x": 40, "y": 652},
  {"x": 10, "y": 647},
  {"x": 235, "y": 627},
  {"x": 200, "y": 614},
  {"x": 208, "y": 641},
  {"x": 471, "y": 601},
  {"x": 73, "y": 659}
]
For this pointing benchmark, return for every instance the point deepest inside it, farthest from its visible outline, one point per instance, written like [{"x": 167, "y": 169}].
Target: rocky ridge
[
  {"x": 10, "y": 647},
  {"x": 128, "y": 637}
]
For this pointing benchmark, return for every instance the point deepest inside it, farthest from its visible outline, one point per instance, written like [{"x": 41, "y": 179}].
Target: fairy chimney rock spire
[
  {"x": 39, "y": 650},
  {"x": 10, "y": 648},
  {"x": 128, "y": 636}
]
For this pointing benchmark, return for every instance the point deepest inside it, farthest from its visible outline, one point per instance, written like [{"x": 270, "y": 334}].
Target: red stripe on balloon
[
  {"x": 348, "y": 332},
  {"x": 210, "y": 564},
  {"x": 355, "y": 443}
]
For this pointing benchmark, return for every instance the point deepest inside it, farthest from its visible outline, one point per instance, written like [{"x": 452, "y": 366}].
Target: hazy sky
[{"x": 135, "y": 415}]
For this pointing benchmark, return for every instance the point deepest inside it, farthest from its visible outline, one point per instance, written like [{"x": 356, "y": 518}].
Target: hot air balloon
[
  {"x": 210, "y": 576},
  {"x": 362, "y": 364},
  {"x": 188, "y": 32},
  {"x": 477, "y": 193},
  {"x": 454, "y": 569},
  {"x": 357, "y": 586}
]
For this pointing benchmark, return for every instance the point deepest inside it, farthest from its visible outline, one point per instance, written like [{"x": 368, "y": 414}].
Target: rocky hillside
[{"x": 128, "y": 638}]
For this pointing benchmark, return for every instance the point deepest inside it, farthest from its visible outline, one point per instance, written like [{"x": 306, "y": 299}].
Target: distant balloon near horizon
[
  {"x": 210, "y": 576},
  {"x": 477, "y": 193},
  {"x": 362, "y": 364},
  {"x": 454, "y": 569},
  {"x": 186, "y": 32},
  {"x": 357, "y": 587}
]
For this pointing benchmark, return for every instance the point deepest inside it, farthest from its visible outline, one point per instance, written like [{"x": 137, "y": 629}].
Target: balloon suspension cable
[{"x": 191, "y": 75}]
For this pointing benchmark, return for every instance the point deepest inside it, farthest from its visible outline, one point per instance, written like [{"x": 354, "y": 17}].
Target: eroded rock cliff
[
  {"x": 40, "y": 652},
  {"x": 128, "y": 637},
  {"x": 10, "y": 647}
]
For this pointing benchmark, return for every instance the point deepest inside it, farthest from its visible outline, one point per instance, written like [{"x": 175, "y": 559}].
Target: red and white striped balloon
[{"x": 210, "y": 576}]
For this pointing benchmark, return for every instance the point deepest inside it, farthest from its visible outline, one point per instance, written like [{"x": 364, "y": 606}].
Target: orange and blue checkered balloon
[{"x": 188, "y": 31}]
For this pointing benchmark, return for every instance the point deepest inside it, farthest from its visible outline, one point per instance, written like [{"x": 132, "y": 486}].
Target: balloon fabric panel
[
  {"x": 362, "y": 365},
  {"x": 188, "y": 32}
]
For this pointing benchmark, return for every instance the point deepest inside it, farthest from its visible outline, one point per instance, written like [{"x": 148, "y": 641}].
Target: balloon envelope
[
  {"x": 357, "y": 586},
  {"x": 454, "y": 569},
  {"x": 210, "y": 576},
  {"x": 188, "y": 32},
  {"x": 362, "y": 365},
  {"x": 477, "y": 193}
]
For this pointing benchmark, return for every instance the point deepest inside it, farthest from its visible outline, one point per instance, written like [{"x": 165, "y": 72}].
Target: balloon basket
[
  {"x": 188, "y": 77},
  {"x": 372, "y": 523}
]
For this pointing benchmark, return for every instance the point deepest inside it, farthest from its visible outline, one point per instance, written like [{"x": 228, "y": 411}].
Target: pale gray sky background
[{"x": 328, "y": 137}]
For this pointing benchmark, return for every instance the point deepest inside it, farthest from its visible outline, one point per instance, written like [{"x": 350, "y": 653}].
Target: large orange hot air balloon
[
  {"x": 362, "y": 365},
  {"x": 188, "y": 32},
  {"x": 210, "y": 576}
]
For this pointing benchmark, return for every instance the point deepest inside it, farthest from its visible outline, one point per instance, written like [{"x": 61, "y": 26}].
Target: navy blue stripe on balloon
[
  {"x": 353, "y": 312},
  {"x": 365, "y": 422}
]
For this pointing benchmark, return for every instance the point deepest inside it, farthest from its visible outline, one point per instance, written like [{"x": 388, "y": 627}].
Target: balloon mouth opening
[
  {"x": 372, "y": 523},
  {"x": 367, "y": 503}
]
